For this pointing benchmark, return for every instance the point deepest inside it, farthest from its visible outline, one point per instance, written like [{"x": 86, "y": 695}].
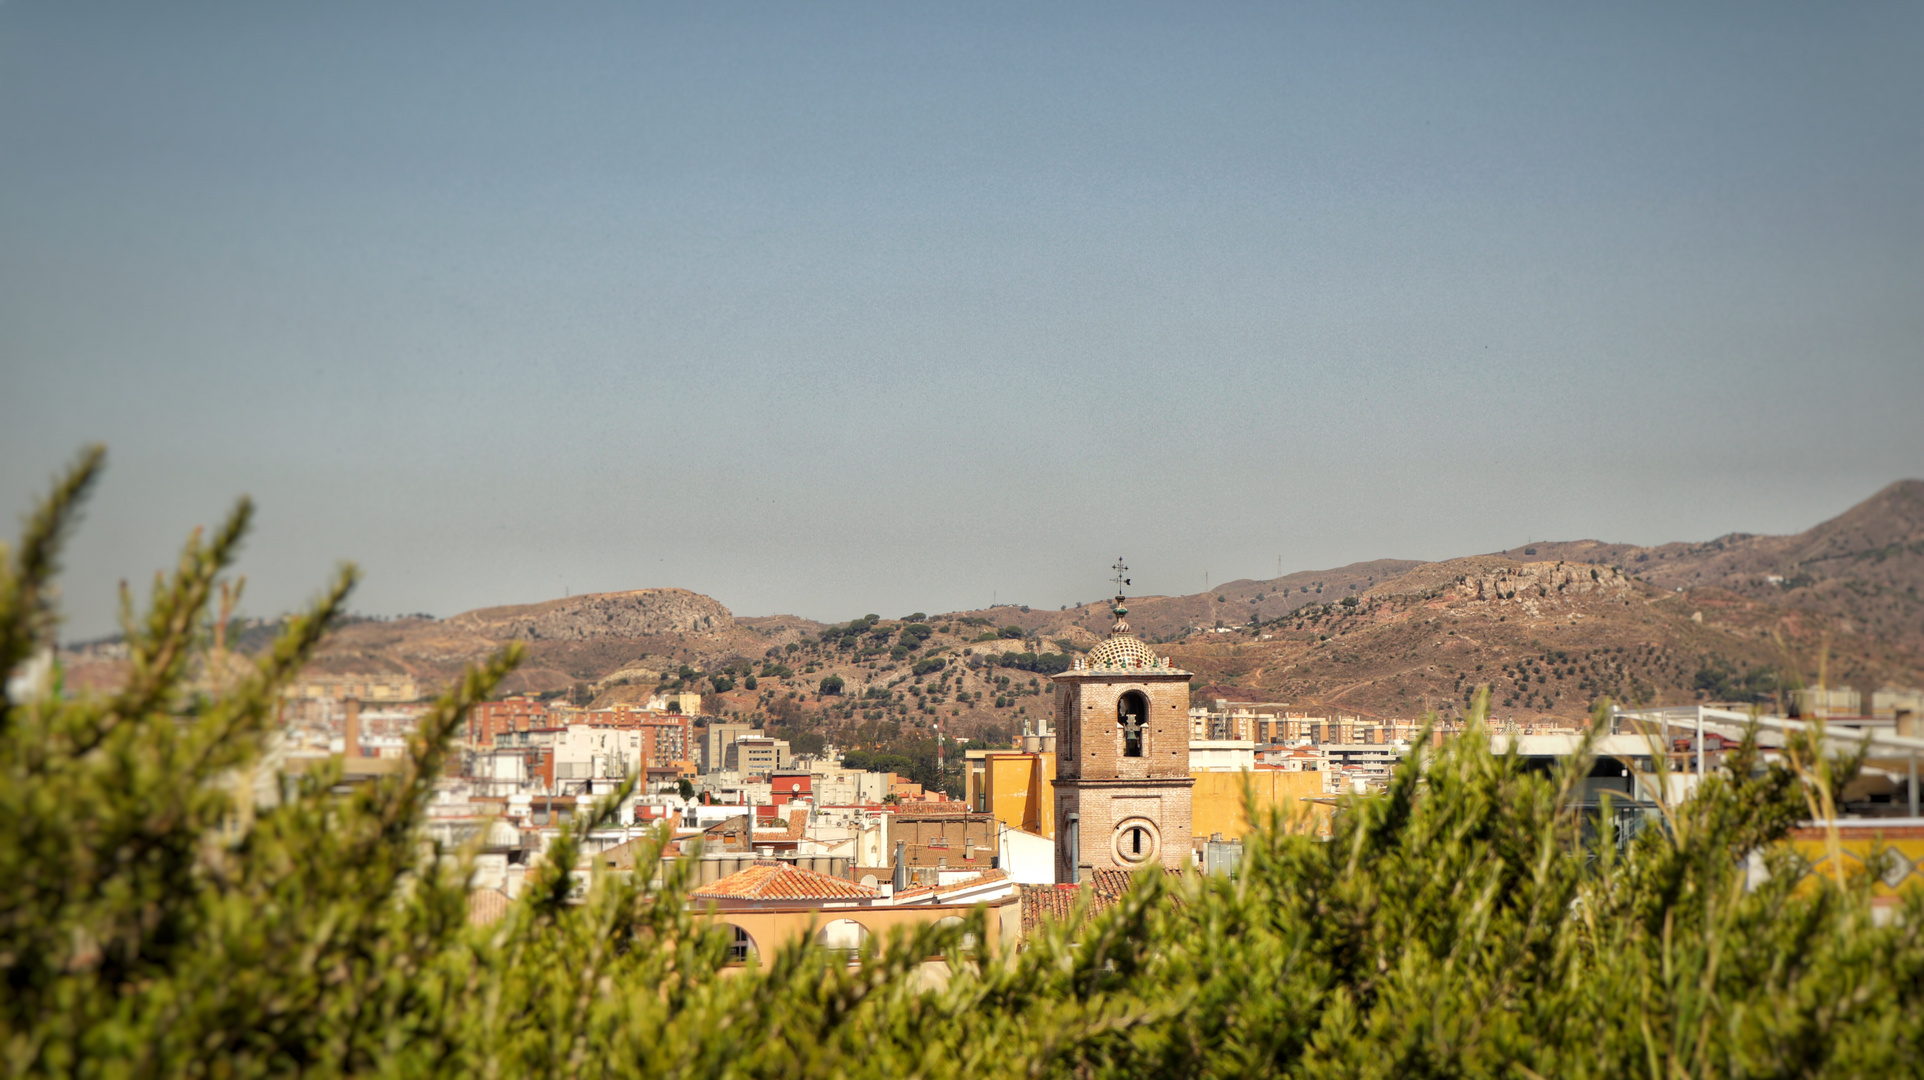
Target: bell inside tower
[{"x": 1131, "y": 711}]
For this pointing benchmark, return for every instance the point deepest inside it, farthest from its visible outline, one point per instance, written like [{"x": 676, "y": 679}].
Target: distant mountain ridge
[
  {"x": 1865, "y": 565},
  {"x": 1551, "y": 629}
]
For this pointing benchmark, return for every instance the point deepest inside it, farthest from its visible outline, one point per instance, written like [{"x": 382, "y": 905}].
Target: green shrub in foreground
[{"x": 1454, "y": 926}]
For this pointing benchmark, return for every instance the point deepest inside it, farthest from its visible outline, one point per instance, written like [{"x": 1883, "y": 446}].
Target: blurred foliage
[{"x": 154, "y": 922}]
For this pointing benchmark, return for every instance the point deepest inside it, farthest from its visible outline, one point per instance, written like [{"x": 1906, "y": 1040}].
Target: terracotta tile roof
[
  {"x": 486, "y": 906},
  {"x": 1110, "y": 884},
  {"x": 1055, "y": 903},
  {"x": 1045, "y": 904},
  {"x": 797, "y": 825},
  {"x": 781, "y": 881}
]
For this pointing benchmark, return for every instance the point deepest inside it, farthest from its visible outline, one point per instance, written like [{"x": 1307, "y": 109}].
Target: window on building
[
  {"x": 843, "y": 936},
  {"x": 742, "y": 947},
  {"x": 1136, "y": 841}
]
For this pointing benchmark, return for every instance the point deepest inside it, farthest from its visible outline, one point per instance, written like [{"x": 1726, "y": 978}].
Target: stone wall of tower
[
  {"x": 1068, "y": 730},
  {"x": 1102, "y": 808},
  {"x": 1109, "y": 793},
  {"x": 1089, "y": 741}
]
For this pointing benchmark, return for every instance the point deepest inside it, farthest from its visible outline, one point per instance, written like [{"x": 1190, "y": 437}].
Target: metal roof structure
[{"x": 1836, "y": 737}]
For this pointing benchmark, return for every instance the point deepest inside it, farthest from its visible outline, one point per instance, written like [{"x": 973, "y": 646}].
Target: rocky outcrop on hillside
[
  {"x": 1486, "y": 580},
  {"x": 1537, "y": 585},
  {"x": 1427, "y": 580},
  {"x": 638, "y": 614}
]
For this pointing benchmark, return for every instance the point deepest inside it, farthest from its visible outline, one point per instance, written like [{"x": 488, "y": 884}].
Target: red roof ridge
[{"x": 772, "y": 880}]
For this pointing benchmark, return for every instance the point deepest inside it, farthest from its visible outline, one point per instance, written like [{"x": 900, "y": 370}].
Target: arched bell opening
[{"x": 1132, "y": 716}]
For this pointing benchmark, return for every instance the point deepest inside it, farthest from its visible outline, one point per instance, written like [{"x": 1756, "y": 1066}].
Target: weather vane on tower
[{"x": 1121, "y": 579}]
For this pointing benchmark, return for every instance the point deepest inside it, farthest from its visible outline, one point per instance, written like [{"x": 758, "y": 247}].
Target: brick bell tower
[{"x": 1122, "y": 757}]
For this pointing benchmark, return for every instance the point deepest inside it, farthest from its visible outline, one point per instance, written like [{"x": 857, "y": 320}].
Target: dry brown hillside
[
  {"x": 1864, "y": 568},
  {"x": 1550, "y": 630},
  {"x": 625, "y": 638}
]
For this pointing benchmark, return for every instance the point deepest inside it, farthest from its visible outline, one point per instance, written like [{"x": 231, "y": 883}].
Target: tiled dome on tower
[{"x": 1122, "y": 651}]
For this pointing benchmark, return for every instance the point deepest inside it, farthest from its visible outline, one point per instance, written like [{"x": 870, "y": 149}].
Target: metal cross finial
[{"x": 1122, "y": 575}]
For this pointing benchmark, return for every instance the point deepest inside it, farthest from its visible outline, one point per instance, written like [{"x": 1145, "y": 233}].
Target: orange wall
[
  {"x": 1021, "y": 790},
  {"x": 772, "y": 928},
  {"x": 1021, "y": 795},
  {"x": 1217, "y": 800}
]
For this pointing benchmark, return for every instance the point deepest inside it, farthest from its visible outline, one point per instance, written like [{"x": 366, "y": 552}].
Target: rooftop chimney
[{"x": 901, "y": 865}]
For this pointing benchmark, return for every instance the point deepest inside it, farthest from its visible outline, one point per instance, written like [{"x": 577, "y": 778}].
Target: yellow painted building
[
  {"x": 1018, "y": 790},
  {"x": 1217, "y": 805}
]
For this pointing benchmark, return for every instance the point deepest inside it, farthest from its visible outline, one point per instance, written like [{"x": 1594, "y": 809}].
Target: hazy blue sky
[{"x": 834, "y": 309}]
